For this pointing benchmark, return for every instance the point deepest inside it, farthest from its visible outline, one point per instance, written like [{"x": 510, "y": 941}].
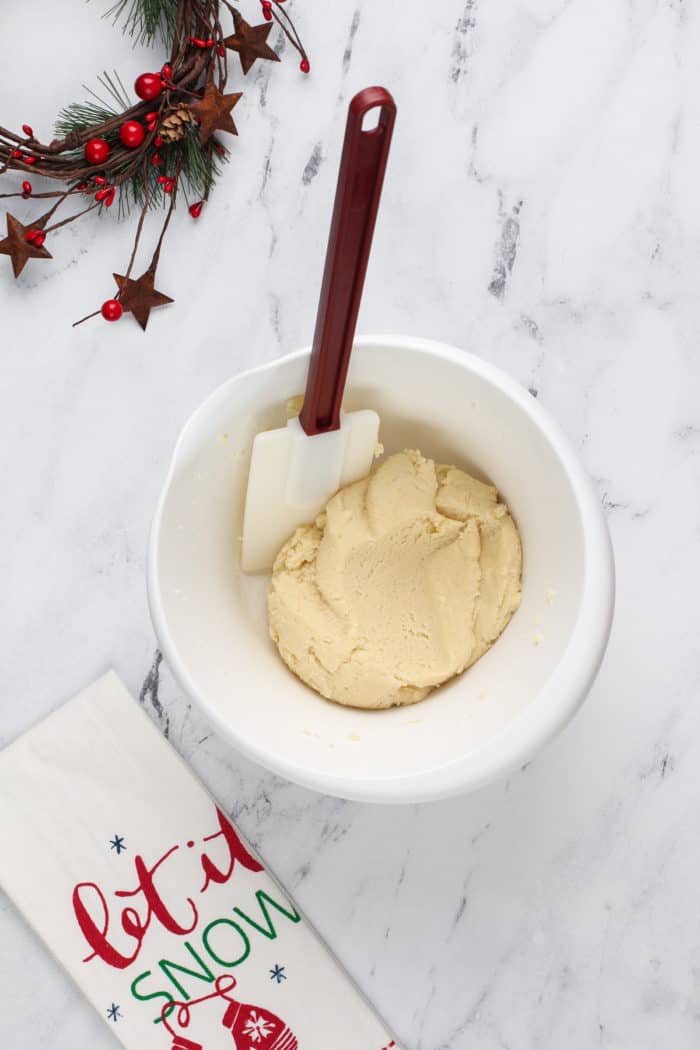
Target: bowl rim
[{"x": 557, "y": 701}]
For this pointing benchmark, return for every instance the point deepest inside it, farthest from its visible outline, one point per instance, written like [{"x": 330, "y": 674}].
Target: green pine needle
[
  {"x": 81, "y": 115},
  {"x": 146, "y": 19},
  {"x": 198, "y": 173}
]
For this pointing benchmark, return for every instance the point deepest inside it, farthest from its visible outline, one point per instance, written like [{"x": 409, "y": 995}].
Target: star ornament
[
  {"x": 213, "y": 112},
  {"x": 139, "y": 297},
  {"x": 250, "y": 42},
  {"x": 18, "y": 247}
]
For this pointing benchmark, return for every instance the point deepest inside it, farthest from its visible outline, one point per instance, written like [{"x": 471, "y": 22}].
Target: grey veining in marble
[{"x": 542, "y": 208}]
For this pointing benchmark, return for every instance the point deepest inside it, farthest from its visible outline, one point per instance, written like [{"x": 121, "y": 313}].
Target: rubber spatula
[{"x": 295, "y": 470}]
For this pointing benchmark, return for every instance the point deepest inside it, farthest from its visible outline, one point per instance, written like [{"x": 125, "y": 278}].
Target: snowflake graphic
[
  {"x": 278, "y": 973},
  {"x": 257, "y": 1027},
  {"x": 117, "y": 844},
  {"x": 114, "y": 1013}
]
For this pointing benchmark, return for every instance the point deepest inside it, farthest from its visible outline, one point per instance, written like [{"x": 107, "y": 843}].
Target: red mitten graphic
[{"x": 254, "y": 1028}]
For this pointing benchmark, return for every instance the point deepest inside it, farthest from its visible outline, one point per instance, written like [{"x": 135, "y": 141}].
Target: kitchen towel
[{"x": 146, "y": 893}]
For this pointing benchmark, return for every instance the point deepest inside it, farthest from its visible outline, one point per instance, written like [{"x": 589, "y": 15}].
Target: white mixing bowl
[{"x": 211, "y": 622}]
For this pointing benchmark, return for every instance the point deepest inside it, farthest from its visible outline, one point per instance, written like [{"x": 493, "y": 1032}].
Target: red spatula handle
[{"x": 360, "y": 180}]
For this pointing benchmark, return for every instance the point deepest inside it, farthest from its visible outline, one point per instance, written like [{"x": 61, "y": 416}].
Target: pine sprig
[
  {"x": 144, "y": 20},
  {"x": 201, "y": 165},
  {"x": 198, "y": 167},
  {"x": 79, "y": 116}
]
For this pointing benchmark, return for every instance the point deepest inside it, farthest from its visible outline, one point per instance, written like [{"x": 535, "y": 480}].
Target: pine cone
[{"x": 176, "y": 124}]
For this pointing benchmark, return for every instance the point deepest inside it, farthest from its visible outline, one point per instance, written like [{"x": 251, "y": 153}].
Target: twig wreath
[{"x": 143, "y": 153}]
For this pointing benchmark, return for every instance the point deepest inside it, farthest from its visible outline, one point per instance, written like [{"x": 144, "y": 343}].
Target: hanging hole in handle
[{"x": 371, "y": 119}]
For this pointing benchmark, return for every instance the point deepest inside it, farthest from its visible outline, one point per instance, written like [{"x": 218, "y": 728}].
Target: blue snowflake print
[
  {"x": 278, "y": 974},
  {"x": 113, "y": 1013},
  {"x": 117, "y": 844}
]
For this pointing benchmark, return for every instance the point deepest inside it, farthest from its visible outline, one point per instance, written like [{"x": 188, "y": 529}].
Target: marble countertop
[{"x": 541, "y": 209}]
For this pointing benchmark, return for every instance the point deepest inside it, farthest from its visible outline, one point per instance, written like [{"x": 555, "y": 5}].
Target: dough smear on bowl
[{"x": 406, "y": 579}]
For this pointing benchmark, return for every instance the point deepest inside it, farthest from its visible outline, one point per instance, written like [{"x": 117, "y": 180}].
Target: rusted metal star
[
  {"x": 18, "y": 247},
  {"x": 213, "y": 112},
  {"x": 139, "y": 297},
  {"x": 250, "y": 41}
]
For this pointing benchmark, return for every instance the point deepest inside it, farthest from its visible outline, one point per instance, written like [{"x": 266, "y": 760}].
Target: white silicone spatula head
[{"x": 294, "y": 471}]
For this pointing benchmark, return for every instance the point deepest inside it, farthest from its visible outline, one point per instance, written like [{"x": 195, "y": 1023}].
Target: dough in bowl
[{"x": 405, "y": 579}]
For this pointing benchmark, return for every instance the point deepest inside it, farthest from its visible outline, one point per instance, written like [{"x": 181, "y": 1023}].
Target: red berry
[
  {"x": 267, "y": 14},
  {"x": 111, "y": 310},
  {"x": 81, "y": 187},
  {"x": 102, "y": 194},
  {"x": 305, "y": 65},
  {"x": 153, "y": 115},
  {"x": 162, "y": 179},
  {"x": 28, "y": 131},
  {"x": 96, "y": 151},
  {"x": 26, "y": 187},
  {"x": 222, "y": 50},
  {"x": 40, "y": 238},
  {"x": 132, "y": 134},
  {"x": 31, "y": 235},
  {"x": 16, "y": 154},
  {"x": 100, "y": 180},
  {"x": 166, "y": 71},
  {"x": 148, "y": 86},
  {"x": 196, "y": 209},
  {"x": 109, "y": 199},
  {"x": 158, "y": 141},
  {"x": 169, "y": 185},
  {"x": 156, "y": 160},
  {"x": 30, "y": 160}
]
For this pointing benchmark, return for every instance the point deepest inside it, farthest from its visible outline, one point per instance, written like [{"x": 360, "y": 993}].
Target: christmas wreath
[{"x": 142, "y": 154}]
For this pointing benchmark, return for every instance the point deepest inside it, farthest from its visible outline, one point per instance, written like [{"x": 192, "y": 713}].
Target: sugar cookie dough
[{"x": 406, "y": 579}]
